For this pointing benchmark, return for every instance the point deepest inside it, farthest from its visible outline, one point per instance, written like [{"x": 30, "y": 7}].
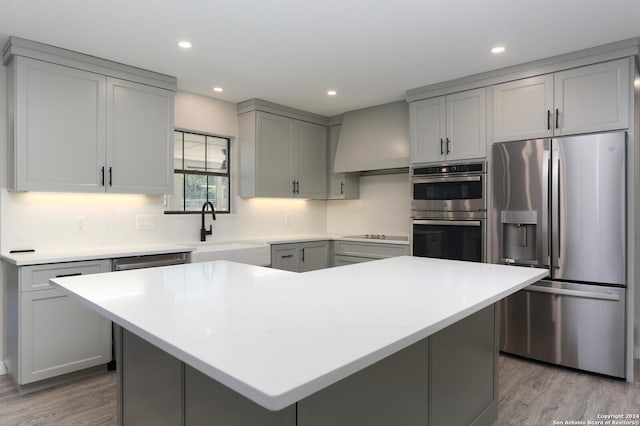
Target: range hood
[{"x": 375, "y": 138}]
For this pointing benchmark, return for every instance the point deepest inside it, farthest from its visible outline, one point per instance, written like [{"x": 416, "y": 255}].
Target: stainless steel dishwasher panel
[{"x": 149, "y": 261}]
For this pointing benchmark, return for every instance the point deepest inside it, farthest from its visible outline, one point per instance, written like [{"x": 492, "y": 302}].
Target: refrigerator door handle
[
  {"x": 574, "y": 293},
  {"x": 544, "y": 214},
  {"x": 556, "y": 213}
]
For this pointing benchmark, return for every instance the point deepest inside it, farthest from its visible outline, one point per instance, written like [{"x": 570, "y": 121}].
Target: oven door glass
[
  {"x": 448, "y": 189},
  {"x": 449, "y": 239},
  {"x": 457, "y": 194}
]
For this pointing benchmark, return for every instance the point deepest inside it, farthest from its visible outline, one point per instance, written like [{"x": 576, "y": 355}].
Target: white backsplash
[
  {"x": 383, "y": 208},
  {"x": 50, "y": 221}
]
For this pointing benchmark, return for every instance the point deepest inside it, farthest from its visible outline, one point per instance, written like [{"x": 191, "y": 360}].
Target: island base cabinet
[
  {"x": 449, "y": 378},
  {"x": 463, "y": 371},
  {"x": 156, "y": 389},
  {"x": 393, "y": 391},
  {"x": 208, "y": 403},
  {"x": 150, "y": 383}
]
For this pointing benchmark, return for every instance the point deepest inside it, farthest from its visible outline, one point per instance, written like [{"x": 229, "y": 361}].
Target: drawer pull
[
  {"x": 68, "y": 275},
  {"x": 285, "y": 256}
]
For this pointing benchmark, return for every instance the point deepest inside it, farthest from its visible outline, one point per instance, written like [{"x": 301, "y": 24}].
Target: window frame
[{"x": 184, "y": 172}]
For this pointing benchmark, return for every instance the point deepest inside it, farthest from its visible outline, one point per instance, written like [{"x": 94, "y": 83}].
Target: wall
[{"x": 383, "y": 208}]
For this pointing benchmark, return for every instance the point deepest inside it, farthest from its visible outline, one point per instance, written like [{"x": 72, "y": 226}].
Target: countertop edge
[{"x": 41, "y": 258}]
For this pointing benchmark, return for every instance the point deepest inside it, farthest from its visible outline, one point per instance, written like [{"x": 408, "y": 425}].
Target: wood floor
[
  {"x": 531, "y": 394},
  {"x": 90, "y": 401}
]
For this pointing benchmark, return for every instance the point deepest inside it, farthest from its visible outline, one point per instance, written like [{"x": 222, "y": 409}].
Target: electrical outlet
[
  {"x": 287, "y": 218},
  {"x": 145, "y": 222},
  {"x": 82, "y": 223}
]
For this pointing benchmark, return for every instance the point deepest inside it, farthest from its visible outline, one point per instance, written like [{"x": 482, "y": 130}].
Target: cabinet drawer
[
  {"x": 372, "y": 250},
  {"x": 36, "y": 277}
]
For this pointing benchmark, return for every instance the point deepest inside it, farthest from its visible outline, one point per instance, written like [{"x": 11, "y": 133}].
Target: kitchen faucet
[{"x": 203, "y": 231}]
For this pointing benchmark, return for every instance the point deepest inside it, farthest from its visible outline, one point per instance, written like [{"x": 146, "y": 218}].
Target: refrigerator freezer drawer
[{"x": 575, "y": 325}]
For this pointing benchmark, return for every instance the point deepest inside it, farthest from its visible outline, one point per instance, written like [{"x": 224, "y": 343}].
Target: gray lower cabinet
[
  {"x": 348, "y": 252},
  {"x": 300, "y": 257},
  {"x": 449, "y": 379},
  {"x": 46, "y": 333}
]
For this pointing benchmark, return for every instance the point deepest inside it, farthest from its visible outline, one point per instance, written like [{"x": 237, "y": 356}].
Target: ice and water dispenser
[{"x": 519, "y": 236}]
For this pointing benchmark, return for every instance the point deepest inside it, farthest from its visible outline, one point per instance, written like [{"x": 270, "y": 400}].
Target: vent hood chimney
[{"x": 375, "y": 138}]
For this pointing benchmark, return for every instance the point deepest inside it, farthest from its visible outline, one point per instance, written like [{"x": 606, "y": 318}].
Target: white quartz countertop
[
  {"x": 321, "y": 237},
  {"x": 39, "y": 257},
  {"x": 277, "y": 337}
]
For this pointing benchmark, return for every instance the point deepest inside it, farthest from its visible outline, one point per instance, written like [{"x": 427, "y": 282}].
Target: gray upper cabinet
[
  {"x": 139, "y": 138},
  {"x": 592, "y": 98},
  {"x": 522, "y": 109},
  {"x": 59, "y": 134},
  {"x": 282, "y": 156},
  {"x": 449, "y": 128},
  {"x": 342, "y": 186},
  {"x": 579, "y": 100},
  {"x": 310, "y": 150},
  {"x": 85, "y": 124}
]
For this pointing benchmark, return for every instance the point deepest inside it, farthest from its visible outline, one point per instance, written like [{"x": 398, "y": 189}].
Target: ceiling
[{"x": 292, "y": 51}]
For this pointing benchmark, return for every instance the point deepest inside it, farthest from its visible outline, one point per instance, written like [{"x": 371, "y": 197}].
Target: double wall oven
[{"x": 449, "y": 211}]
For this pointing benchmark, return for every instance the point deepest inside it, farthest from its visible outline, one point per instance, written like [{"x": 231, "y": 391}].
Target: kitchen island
[{"x": 397, "y": 341}]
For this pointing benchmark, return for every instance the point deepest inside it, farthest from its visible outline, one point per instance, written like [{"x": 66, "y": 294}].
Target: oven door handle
[
  {"x": 420, "y": 179},
  {"x": 448, "y": 222}
]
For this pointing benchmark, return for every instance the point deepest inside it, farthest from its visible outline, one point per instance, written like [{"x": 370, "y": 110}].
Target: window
[{"x": 201, "y": 173}]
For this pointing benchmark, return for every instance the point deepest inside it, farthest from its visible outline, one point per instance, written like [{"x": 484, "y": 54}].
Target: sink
[{"x": 235, "y": 251}]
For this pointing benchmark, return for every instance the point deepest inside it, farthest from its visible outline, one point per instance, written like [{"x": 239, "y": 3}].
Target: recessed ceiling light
[
  {"x": 498, "y": 49},
  {"x": 185, "y": 44},
  {"x": 218, "y": 89},
  {"x": 332, "y": 93}
]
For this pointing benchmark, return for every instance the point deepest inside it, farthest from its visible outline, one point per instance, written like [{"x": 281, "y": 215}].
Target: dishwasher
[
  {"x": 148, "y": 261},
  {"x": 140, "y": 262}
]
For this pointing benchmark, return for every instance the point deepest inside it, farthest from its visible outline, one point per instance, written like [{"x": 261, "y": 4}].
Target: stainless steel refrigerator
[{"x": 560, "y": 204}]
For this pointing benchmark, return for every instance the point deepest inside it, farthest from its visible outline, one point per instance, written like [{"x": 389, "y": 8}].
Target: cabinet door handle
[
  {"x": 68, "y": 275},
  {"x": 557, "y": 114},
  {"x": 303, "y": 254},
  {"x": 448, "y": 146},
  {"x": 297, "y": 187},
  {"x": 441, "y": 146},
  {"x": 341, "y": 188},
  {"x": 293, "y": 186},
  {"x": 102, "y": 179},
  {"x": 110, "y": 176},
  {"x": 548, "y": 119}
]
